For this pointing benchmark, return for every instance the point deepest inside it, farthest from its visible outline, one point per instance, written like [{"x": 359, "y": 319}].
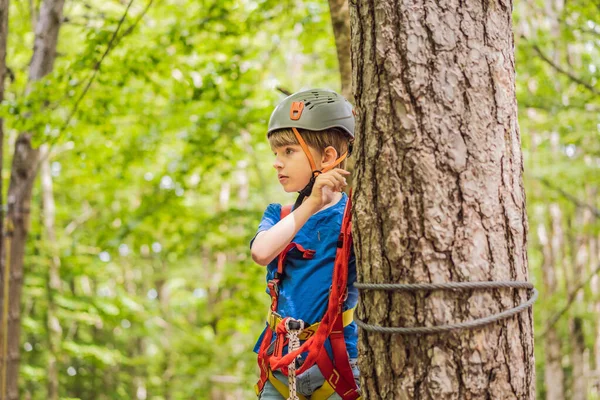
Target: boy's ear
[{"x": 329, "y": 156}]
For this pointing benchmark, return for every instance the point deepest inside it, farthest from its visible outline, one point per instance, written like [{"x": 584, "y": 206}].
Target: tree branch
[
  {"x": 138, "y": 19},
  {"x": 114, "y": 40},
  {"x": 554, "y": 319},
  {"x": 284, "y": 91},
  {"x": 570, "y": 197},
  {"x": 563, "y": 71},
  {"x": 97, "y": 67}
]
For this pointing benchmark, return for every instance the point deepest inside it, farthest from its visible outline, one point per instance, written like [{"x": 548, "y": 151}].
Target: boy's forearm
[{"x": 268, "y": 244}]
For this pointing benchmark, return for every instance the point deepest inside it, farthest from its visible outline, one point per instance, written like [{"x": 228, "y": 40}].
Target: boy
[{"x": 310, "y": 264}]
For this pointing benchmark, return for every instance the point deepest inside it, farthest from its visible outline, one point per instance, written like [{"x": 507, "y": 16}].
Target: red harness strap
[
  {"x": 273, "y": 285},
  {"x": 337, "y": 371}
]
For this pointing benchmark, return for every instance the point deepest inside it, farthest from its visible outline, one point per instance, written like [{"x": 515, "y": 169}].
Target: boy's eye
[{"x": 289, "y": 151}]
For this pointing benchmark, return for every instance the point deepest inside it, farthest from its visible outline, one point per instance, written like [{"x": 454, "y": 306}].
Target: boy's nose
[{"x": 277, "y": 164}]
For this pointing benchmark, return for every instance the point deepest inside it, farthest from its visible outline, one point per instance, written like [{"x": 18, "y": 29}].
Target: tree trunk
[
  {"x": 594, "y": 250},
  {"x": 579, "y": 382},
  {"x": 23, "y": 172},
  {"x": 46, "y": 38},
  {"x": 340, "y": 20},
  {"x": 553, "y": 371},
  {"x": 4, "y": 7},
  {"x": 3, "y": 69},
  {"x": 19, "y": 198},
  {"x": 168, "y": 367},
  {"x": 53, "y": 279},
  {"x": 581, "y": 261},
  {"x": 439, "y": 198}
]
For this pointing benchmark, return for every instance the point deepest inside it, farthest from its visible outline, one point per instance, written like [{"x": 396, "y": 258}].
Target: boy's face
[{"x": 293, "y": 168}]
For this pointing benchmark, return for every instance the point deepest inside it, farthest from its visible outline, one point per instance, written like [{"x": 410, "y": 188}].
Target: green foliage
[
  {"x": 559, "y": 103},
  {"x": 159, "y": 177},
  {"x": 161, "y": 173}
]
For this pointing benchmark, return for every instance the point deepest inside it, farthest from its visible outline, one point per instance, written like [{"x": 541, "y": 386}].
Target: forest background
[{"x": 140, "y": 285}]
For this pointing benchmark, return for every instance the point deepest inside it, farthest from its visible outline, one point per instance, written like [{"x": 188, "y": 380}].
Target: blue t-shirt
[{"x": 304, "y": 290}]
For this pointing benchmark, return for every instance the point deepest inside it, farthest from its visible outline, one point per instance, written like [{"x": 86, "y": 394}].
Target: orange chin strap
[{"x": 313, "y": 166}]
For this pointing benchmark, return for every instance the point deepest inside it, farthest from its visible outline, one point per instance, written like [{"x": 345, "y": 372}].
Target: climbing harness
[
  {"x": 337, "y": 372},
  {"x": 448, "y": 286}
]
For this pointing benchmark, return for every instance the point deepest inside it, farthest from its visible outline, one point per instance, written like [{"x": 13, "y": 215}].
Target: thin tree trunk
[
  {"x": 164, "y": 297},
  {"x": 53, "y": 282},
  {"x": 19, "y": 199},
  {"x": 553, "y": 371},
  {"x": 46, "y": 37},
  {"x": 581, "y": 261},
  {"x": 4, "y": 6},
  {"x": 579, "y": 382},
  {"x": 340, "y": 20},
  {"x": 3, "y": 69},
  {"x": 594, "y": 246},
  {"x": 23, "y": 172},
  {"x": 439, "y": 198},
  {"x": 557, "y": 244}
]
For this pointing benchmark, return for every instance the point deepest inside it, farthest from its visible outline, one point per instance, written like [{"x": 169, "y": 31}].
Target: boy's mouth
[{"x": 281, "y": 177}]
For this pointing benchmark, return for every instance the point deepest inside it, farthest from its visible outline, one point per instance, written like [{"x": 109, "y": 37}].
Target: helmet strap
[
  {"x": 313, "y": 166},
  {"x": 304, "y": 146},
  {"x": 308, "y": 188},
  {"x": 336, "y": 163},
  {"x": 304, "y": 193}
]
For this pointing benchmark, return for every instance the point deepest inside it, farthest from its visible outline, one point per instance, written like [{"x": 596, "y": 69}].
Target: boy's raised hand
[{"x": 326, "y": 184}]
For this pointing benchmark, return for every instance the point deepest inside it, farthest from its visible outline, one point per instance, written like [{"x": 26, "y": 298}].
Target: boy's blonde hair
[{"x": 318, "y": 140}]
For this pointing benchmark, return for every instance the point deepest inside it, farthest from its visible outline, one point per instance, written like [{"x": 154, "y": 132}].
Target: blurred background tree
[{"x": 137, "y": 279}]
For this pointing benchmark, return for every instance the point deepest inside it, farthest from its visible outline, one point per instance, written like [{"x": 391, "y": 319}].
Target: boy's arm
[{"x": 268, "y": 244}]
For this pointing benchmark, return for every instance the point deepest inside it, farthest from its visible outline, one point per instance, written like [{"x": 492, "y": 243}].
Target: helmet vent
[{"x": 318, "y": 102}]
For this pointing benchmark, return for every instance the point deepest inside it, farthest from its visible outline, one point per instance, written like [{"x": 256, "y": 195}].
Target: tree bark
[
  {"x": 439, "y": 197},
  {"x": 23, "y": 172},
  {"x": 340, "y": 20}
]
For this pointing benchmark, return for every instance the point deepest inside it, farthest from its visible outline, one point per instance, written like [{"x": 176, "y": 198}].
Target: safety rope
[
  {"x": 448, "y": 286},
  {"x": 294, "y": 344}
]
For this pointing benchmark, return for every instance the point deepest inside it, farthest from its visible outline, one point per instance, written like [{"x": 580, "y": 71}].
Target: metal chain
[
  {"x": 294, "y": 344},
  {"x": 448, "y": 286}
]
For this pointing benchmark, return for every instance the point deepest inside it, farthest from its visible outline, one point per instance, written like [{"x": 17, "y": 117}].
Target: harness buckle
[
  {"x": 292, "y": 324},
  {"x": 273, "y": 286},
  {"x": 340, "y": 241},
  {"x": 308, "y": 254},
  {"x": 273, "y": 319}
]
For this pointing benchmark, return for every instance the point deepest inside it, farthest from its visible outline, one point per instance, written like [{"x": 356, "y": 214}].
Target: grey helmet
[{"x": 315, "y": 110}]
